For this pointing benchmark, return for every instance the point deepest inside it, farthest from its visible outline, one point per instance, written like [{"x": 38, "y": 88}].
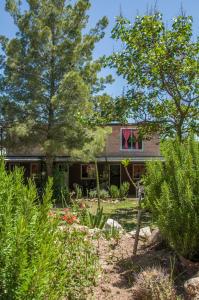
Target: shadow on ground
[{"x": 127, "y": 218}]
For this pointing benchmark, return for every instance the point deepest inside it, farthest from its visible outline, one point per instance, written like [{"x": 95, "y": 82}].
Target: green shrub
[
  {"x": 60, "y": 189},
  {"x": 92, "y": 194},
  {"x": 124, "y": 189},
  {"x": 37, "y": 260},
  {"x": 114, "y": 192},
  {"x": 103, "y": 194},
  {"x": 78, "y": 191},
  {"x": 172, "y": 195}
]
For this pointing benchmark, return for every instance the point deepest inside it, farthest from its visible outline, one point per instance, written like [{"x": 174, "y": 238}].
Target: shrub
[
  {"x": 104, "y": 194},
  {"x": 78, "y": 191},
  {"x": 154, "y": 284},
  {"x": 172, "y": 195},
  {"x": 114, "y": 192},
  {"x": 36, "y": 259},
  {"x": 60, "y": 188},
  {"x": 124, "y": 189},
  {"x": 92, "y": 194}
]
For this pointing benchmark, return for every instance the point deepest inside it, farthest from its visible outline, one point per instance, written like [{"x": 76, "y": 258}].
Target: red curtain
[
  {"x": 126, "y": 134},
  {"x": 135, "y": 132}
]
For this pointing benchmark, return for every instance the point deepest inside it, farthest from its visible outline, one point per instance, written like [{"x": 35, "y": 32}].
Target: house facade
[{"x": 124, "y": 142}]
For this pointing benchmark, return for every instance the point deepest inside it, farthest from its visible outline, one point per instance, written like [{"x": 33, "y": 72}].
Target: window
[
  {"x": 35, "y": 170},
  {"x": 131, "y": 139},
  {"x": 138, "y": 171},
  {"x": 88, "y": 171}
]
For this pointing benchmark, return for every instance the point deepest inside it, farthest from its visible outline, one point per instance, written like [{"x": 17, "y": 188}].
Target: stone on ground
[
  {"x": 145, "y": 233},
  {"x": 192, "y": 288},
  {"x": 110, "y": 223}
]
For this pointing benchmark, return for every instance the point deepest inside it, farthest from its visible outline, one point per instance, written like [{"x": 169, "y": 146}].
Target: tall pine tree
[{"x": 49, "y": 77}]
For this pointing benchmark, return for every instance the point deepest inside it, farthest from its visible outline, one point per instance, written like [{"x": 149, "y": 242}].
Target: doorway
[{"x": 115, "y": 174}]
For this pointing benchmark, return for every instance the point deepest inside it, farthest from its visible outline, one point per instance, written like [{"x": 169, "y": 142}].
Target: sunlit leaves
[{"x": 160, "y": 65}]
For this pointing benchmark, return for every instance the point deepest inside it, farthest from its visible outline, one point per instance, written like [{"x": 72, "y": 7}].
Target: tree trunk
[
  {"x": 139, "y": 195},
  {"x": 135, "y": 246},
  {"x": 129, "y": 177},
  {"x": 49, "y": 166},
  {"x": 97, "y": 183}
]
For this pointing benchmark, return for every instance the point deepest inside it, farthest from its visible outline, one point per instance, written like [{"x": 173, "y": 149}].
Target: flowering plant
[{"x": 70, "y": 219}]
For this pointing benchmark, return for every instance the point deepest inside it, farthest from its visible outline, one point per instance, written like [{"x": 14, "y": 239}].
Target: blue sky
[{"x": 112, "y": 8}]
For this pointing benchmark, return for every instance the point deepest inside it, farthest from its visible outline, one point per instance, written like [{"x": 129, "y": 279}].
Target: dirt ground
[{"x": 120, "y": 267}]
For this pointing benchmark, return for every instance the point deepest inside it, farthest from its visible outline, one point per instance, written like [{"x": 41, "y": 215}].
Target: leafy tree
[
  {"x": 49, "y": 76},
  {"x": 92, "y": 149},
  {"x": 160, "y": 65}
]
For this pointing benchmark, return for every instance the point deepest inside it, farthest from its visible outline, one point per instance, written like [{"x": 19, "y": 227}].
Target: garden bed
[{"x": 120, "y": 268}]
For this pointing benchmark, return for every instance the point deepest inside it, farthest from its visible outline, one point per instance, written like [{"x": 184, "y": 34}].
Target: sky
[{"x": 112, "y": 8}]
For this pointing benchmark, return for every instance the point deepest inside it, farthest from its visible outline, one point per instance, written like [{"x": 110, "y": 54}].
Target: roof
[{"x": 69, "y": 159}]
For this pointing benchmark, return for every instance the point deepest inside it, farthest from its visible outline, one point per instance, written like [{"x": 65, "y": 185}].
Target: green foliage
[
  {"x": 112, "y": 233},
  {"x": 49, "y": 77},
  {"x": 92, "y": 193},
  {"x": 114, "y": 192},
  {"x": 160, "y": 64},
  {"x": 61, "y": 192},
  {"x": 172, "y": 195},
  {"x": 78, "y": 191},
  {"x": 34, "y": 254},
  {"x": 103, "y": 194},
  {"x": 95, "y": 221},
  {"x": 124, "y": 189},
  {"x": 126, "y": 162},
  {"x": 94, "y": 147}
]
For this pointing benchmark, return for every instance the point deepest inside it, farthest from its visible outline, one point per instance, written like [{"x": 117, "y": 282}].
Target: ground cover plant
[
  {"x": 172, "y": 195},
  {"x": 154, "y": 284},
  {"x": 37, "y": 258}
]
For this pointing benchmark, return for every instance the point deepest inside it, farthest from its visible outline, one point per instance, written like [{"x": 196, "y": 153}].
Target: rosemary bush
[
  {"x": 37, "y": 259},
  {"x": 172, "y": 195}
]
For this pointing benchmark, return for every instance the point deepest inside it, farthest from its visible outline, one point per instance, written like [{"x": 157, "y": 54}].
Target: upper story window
[{"x": 130, "y": 139}]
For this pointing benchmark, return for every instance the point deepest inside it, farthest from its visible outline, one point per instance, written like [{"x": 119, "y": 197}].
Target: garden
[
  {"x": 61, "y": 243},
  {"x": 85, "y": 249}
]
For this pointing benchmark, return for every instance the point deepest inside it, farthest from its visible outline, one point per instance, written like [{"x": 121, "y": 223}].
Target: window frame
[
  {"x": 135, "y": 165},
  {"x": 87, "y": 178},
  {"x": 131, "y": 149}
]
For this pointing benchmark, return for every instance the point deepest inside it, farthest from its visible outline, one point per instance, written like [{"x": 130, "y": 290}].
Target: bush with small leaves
[
  {"x": 37, "y": 259},
  {"x": 172, "y": 195},
  {"x": 154, "y": 284}
]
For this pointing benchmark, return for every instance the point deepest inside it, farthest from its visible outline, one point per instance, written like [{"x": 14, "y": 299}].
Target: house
[{"x": 122, "y": 143}]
